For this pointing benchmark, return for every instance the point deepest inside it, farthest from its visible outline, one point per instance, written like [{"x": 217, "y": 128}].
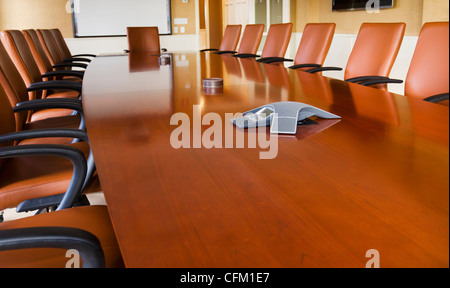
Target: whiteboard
[{"x": 99, "y": 18}]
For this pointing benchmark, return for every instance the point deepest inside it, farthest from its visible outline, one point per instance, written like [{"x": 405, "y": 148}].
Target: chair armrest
[
  {"x": 44, "y": 133},
  {"x": 321, "y": 69},
  {"x": 246, "y": 55},
  {"x": 210, "y": 49},
  {"x": 69, "y": 64},
  {"x": 366, "y": 78},
  {"x": 437, "y": 98},
  {"x": 58, "y": 84},
  {"x": 41, "y": 104},
  {"x": 51, "y": 133},
  {"x": 66, "y": 238},
  {"x": 52, "y": 100},
  {"x": 76, "y": 59},
  {"x": 269, "y": 60},
  {"x": 74, "y": 190},
  {"x": 62, "y": 73},
  {"x": 225, "y": 52},
  {"x": 380, "y": 81},
  {"x": 299, "y": 66},
  {"x": 84, "y": 55}
]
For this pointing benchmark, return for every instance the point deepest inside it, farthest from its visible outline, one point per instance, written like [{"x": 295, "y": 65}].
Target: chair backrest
[
  {"x": 315, "y": 43},
  {"x": 13, "y": 85},
  {"x": 230, "y": 38},
  {"x": 429, "y": 71},
  {"x": 50, "y": 47},
  {"x": 375, "y": 49},
  {"x": 277, "y": 40},
  {"x": 37, "y": 50},
  {"x": 143, "y": 39},
  {"x": 20, "y": 53},
  {"x": 7, "y": 124},
  {"x": 251, "y": 39},
  {"x": 61, "y": 43}
]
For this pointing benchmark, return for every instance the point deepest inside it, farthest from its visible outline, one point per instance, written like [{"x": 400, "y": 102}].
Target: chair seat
[
  {"x": 63, "y": 94},
  {"x": 68, "y": 122},
  {"x": 71, "y": 78},
  {"x": 94, "y": 219},
  {"x": 45, "y": 114},
  {"x": 39, "y": 176}
]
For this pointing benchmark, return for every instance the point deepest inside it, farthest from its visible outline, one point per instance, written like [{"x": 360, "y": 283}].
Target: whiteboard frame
[{"x": 75, "y": 26}]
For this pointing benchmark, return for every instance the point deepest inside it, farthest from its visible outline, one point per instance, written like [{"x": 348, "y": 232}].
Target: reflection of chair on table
[
  {"x": 374, "y": 104},
  {"x": 315, "y": 86},
  {"x": 277, "y": 76},
  {"x": 232, "y": 65},
  {"x": 253, "y": 70},
  {"x": 140, "y": 62}
]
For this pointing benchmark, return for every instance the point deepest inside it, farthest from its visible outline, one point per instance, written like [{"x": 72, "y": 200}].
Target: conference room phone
[{"x": 283, "y": 117}]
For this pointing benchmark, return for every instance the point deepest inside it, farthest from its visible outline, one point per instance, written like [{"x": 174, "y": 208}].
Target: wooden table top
[{"x": 376, "y": 179}]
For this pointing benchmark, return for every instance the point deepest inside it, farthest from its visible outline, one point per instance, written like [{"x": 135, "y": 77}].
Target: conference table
[{"x": 369, "y": 189}]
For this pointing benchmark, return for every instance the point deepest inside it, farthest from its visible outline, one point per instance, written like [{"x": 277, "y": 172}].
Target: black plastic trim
[
  {"x": 269, "y": 60},
  {"x": 62, "y": 85},
  {"x": 210, "y": 49},
  {"x": 315, "y": 70},
  {"x": 437, "y": 98},
  {"x": 85, "y": 243},
  {"x": 62, "y": 73},
  {"x": 299, "y": 66},
  {"x": 225, "y": 52},
  {"x": 246, "y": 55}
]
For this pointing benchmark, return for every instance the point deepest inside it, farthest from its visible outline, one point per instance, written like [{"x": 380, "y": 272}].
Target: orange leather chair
[
  {"x": 143, "y": 39},
  {"x": 65, "y": 51},
  {"x": 314, "y": 45},
  {"x": 33, "y": 114},
  {"x": 251, "y": 39},
  {"x": 373, "y": 54},
  {"x": 229, "y": 42},
  {"x": 41, "y": 59},
  {"x": 428, "y": 73},
  {"x": 39, "y": 167},
  {"x": 19, "y": 51},
  {"x": 42, "y": 241},
  {"x": 53, "y": 53},
  {"x": 277, "y": 42}
]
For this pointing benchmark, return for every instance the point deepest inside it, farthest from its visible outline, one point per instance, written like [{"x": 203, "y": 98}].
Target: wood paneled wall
[{"x": 413, "y": 12}]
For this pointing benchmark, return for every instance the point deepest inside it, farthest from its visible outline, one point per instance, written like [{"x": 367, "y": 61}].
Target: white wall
[{"x": 118, "y": 44}]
